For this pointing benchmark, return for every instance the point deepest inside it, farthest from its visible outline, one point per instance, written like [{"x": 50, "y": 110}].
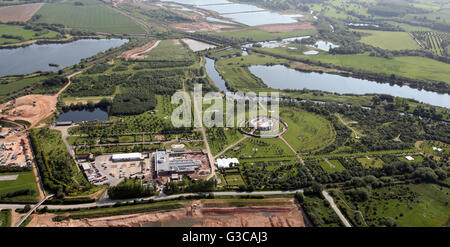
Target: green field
[
  {"x": 26, "y": 34},
  {"x": 25, "y": 181},
  {"x": 410, "y": 67},
  {"x": 390, "y": 40},
  {"x": 221, "y": 138},
  {"x": 338, "y": 167},
  {"x": 372, "y": 162},
  {"x": 427, "y": 146},
  {"x": 258, "y": 35},
  {"x": 234, "y": 179},
  {"x": 237, "y": 75},
  {"x": 5, "y": 217},
  {"x": 92, "y": 16},
  {"x": 307, "y": 132},
  {"x": 167, "y": 50},
  {"x": 415, "y": 205},
  {"x": 260, "y": 148},
  {"x": 417, "y": 158}
]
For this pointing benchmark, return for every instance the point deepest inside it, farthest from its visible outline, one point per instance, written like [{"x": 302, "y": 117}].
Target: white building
[
  {"x": 126, "y": 157},
  {"x": 227, "y": 163},
  {"x": 409, "y": 158}
]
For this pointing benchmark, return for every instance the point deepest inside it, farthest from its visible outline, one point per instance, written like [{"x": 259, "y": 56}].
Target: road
[
  {"x": 336, "y": 209},
  {"x": 205, "y": 140},
  {"x": 232, "y": 145},
  {"x": 293, "y": 150},
  {"x": 109, "y": 202},
  {"x": 348, "y": 126},
  {"x": 32, "y": 210}
]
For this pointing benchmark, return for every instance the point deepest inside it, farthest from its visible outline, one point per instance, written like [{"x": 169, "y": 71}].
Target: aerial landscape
[{"x": 224, "y": 113}]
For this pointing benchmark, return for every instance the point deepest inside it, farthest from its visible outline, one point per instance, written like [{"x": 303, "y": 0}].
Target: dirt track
[
  {"x": 194, "y": 214},
  {"x": 19, "y": 12},
  {"x": 137, "y": 52}
]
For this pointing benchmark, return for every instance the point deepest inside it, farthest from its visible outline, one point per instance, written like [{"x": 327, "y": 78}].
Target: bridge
[{"x": 32, "y": 210}]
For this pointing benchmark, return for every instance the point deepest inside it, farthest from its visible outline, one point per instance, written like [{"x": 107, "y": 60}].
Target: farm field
[
  {"x": 92, "y": 16},
  {"x": 25, "y": 181},
  {"x": 20, "y": 31},
  {"x": 372, "y": 162},
  {"x": 433, "y": 41},
  {"x": 410, "y": 67},
  {"x": 234, "y": 179},
  {"x": 390, "y": 40},
  {"x": 20, "y": 13},
  {"x": 307, "y": 132},
  {"x": 414, "y": 205},
  {"x": 338, "y": 167}
]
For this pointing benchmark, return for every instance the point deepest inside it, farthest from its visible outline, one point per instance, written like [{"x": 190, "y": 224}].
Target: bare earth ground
[
  {"x": 32, "y": 108},
  {"x": 269, "y": 216},
  {"x": 202, "y": 26},
  {"x": 278, "y": 28},
  {"x": 19, "y": 12},
  {"x": 136, "y": 52}
]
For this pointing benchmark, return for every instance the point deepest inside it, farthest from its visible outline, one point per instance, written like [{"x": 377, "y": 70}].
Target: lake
[
  {"x": 281, "y": 77},
  {"x": 25, "y": 60},
  {"x": 262, "y": 18},
  {"x": 83, "y": 115},
  {"x": 231, "y": 8}
]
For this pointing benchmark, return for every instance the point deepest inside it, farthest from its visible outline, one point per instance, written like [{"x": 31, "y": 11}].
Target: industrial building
[
  {"x": 126, "y": 157},
  {"x": 167, "y": 162}
]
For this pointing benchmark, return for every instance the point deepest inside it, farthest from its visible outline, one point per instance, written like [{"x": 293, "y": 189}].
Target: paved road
[
  {"x": 108, "y": 202},
  {"x": 32, "y": 210},
  {"x": 336, "y": 209}
]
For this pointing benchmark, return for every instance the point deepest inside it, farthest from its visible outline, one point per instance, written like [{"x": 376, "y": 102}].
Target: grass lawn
[
  {"x": 260, "y": 148},
  {"x": 307, "y": 132},
  {"x": 371, "y": 162},
  {"x": 234, "y": 179},
  {"x": 25, "y": 181},
  {"x": 167, "y": 50},
  {"x": 92, "y": 16},
  {"x": 417, "y": 158},
  {"x": 407, "y": 66},
  {"x": 390, "y": 40},
  {"x": 338, "y": 167}
]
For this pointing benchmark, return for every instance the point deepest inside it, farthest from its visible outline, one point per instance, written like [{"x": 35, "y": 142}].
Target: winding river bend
[
  {"x": 281, "y": 77},
  {"x": 35, "y": 57}
]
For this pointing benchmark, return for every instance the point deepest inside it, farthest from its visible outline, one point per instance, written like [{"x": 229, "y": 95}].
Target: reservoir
[
  {"x": 83, "y": 115},
  {"x": 281, "y": 77},
  {"x": 35, "y": 57}
]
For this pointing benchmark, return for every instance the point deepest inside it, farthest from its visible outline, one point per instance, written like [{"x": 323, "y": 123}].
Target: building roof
[
  {"x": 85, "y": 166},
  {"x": 409, "y": 158},
  {"x": 227, "y": 163},
  {"x": 126, "y": 156}
]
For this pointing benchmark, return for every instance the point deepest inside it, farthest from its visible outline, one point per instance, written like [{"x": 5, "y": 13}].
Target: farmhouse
[{"x": 126, "y": 157}]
